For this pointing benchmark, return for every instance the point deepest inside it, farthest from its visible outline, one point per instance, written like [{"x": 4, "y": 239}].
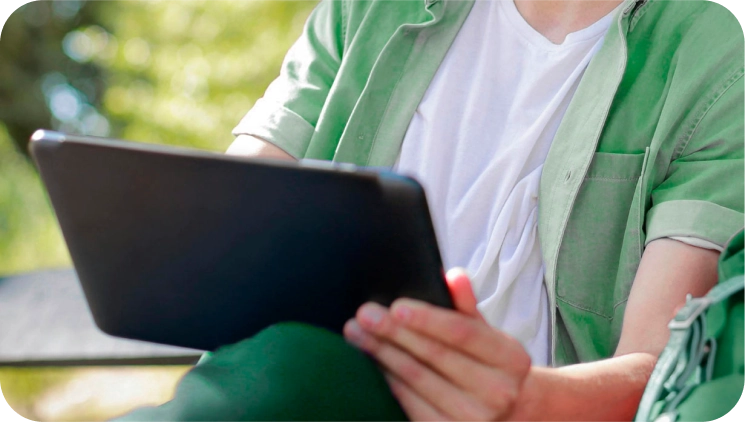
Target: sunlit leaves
[
  {"x": 186, "y": 72},
  {"x": 178, "y": 72}
]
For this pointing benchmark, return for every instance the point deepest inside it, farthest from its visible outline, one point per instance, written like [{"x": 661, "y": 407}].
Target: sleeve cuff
[
  {"x": 699, "y": 243},
  {"x": 689, "y": 218},
  {"x": 278, "y": 125}
]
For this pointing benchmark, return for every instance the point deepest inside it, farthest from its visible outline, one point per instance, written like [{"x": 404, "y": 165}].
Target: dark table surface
[{"x": 44, "y": 320}]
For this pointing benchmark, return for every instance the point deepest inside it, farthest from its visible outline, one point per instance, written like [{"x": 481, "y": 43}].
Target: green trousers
[{"x": 289, "y": 371}]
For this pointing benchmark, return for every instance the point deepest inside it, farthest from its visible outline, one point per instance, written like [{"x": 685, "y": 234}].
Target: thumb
[{"x": 460, "y": 289}]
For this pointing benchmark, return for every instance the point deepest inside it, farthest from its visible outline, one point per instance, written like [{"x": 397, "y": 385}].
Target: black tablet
[{"x": 200, "y": 249}]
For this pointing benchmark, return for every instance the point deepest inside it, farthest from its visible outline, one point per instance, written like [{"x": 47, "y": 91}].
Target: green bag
[{"x": 699, "y": 375}]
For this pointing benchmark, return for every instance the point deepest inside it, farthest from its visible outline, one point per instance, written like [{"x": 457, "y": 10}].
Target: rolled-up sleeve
[
  {"x": 702, "y": 195},
  {"x": 288, "y": 112}
]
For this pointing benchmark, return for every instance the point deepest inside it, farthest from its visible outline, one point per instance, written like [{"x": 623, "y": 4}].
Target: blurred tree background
[
  {"x": 169, "y": 71},
  {"x": 175, "y": 72}
]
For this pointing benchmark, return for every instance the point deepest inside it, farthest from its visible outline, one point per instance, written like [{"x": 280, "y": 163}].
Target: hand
[{"x": 442, "y": 364}]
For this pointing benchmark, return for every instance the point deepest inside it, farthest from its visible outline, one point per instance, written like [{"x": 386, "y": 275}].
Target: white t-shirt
[{"x": 477, "y": 143}]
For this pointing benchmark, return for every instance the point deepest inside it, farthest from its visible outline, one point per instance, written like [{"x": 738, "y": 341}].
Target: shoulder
[
  {"x": 356, "y": 14},
  {"x": 705, "y": 27},
  {"x": 388, "y": 9},
  {"x": 713, "y": 47},
  {"x": 715, "y": 36},
  {"x": 692, "y": 35},
  {"x": 377, "y": 18},
  {"x": 697, "y": 46}
]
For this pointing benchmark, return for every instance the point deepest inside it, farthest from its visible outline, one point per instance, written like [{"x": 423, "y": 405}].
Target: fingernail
[
  {"x": 371, "y": 314},
  {"x": 353, "y": 333},
  {"x": 402, "y": 313},
  {"x": 456, "y": 272}
]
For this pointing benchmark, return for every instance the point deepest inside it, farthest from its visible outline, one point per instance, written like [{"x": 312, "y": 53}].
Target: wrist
[{"x": 531, "y": 400}]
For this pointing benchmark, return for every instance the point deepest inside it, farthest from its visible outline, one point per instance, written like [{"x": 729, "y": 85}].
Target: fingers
[
  {"x": 435, "y": 396},
  {"x": 440, "y": 363},
  {"x": 417, "y": 409},
  {"x": 460, "y": 289},
  {"x": 463, "y": 333},
  {"x": 485, "y": 383}
]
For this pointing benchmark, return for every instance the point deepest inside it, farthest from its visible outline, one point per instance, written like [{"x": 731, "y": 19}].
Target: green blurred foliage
[
  {"x": 32, "y": 58},
  {"x": 186, "y": 72},
  {"x": 86, "y": 393},
  {"x": 29, "y": 235},
  {"x": 175, "y": 72}
]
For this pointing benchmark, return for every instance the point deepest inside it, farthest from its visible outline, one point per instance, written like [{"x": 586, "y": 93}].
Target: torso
[{"x": 477, "y": 143}]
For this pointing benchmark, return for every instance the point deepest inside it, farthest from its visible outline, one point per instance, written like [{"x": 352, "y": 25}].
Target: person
[
  {"x": 584, "y": 164},
  {"x": 705, "y": 339}
]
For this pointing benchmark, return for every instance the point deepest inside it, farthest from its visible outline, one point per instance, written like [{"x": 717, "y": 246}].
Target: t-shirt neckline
[{"x": 590, "y": 33}]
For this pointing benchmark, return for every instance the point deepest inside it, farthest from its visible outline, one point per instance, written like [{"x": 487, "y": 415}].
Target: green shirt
[{"x": 650, "y": 147}]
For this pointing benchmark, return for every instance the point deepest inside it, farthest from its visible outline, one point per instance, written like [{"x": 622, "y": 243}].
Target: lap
[{"x": 289, "y": 371}]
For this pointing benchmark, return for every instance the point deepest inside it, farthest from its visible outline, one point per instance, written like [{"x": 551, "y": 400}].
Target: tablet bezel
[{"x": 102, "y": 235}]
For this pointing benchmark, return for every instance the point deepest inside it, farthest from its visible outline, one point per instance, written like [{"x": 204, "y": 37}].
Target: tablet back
[{"x": 200, "y": 250}]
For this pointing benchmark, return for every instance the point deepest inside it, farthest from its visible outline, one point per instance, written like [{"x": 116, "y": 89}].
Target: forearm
[
  {"x": 605, "y": 390},
  {"x": 251, "y": 146},
  {"x": 611, "y": 389}
]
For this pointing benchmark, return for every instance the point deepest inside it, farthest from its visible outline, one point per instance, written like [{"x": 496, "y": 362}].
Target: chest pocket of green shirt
[{"x": 590, "y": 252}]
